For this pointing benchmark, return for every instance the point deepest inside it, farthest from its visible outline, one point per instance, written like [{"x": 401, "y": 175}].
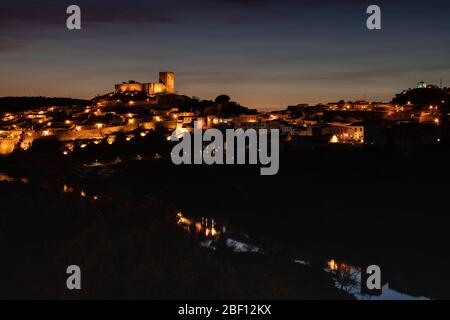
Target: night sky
[{"x": 264, "y": 54}]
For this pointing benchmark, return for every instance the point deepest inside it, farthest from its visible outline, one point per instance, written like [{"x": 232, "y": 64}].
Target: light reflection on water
[
  {"x": 213, "y": 234},
  {"x": 65, "y": 188},
  {"x": 4, "y": 177},
  {"x": 205, "y": 227},
  {"x": 346, "y": 277}
]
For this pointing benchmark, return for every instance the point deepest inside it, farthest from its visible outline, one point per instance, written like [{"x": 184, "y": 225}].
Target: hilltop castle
[{"x": 166, "y": 84}]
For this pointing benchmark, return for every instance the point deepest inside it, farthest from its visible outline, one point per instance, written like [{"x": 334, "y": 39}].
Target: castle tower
[{"x": 168, "y": 79}]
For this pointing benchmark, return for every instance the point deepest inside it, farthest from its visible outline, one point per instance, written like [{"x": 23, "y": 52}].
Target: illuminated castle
[{"x": 166, "y": 84}]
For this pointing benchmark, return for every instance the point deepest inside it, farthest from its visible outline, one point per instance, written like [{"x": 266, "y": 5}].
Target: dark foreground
[
  {"x": 129, "y": 248},
  {"x": 118, "y": 223}
]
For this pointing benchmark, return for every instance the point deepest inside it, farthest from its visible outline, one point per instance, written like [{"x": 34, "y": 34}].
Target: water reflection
[
  {"x": 205, "y": 227},
  {"x": 347, "y": 277},
  {"x": 82, "y": 193},
  {"x": 214, "y": 234},
  {"x": 4, "y": 177},
  {"x": 65, "y": 188}
]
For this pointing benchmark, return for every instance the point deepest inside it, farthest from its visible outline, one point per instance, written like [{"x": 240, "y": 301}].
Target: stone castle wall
[{"x": 166, "y": 84}]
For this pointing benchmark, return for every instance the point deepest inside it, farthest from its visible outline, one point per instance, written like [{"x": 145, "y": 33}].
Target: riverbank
[{"x": 129, "y": 248}]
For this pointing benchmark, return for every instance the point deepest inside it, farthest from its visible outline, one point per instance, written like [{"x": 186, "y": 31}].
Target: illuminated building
[{"x": 166, "y": 84}]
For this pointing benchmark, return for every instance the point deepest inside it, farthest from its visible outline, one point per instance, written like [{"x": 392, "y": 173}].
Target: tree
[{"x": 223, "y": 99}]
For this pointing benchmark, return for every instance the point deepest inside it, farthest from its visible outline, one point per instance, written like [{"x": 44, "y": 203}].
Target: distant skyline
[{"x": 264, "y": 54}]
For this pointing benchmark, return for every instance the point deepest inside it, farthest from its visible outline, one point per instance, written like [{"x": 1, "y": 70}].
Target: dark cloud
[
  {"x": 50, "y": 13},
  {"x": 53, "y": 12},
  {"x": 22, "y": 22},
  {"x": 303, "y": 3}
]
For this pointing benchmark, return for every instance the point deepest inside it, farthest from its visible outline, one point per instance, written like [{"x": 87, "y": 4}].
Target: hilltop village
[{"x": 413, "y": 118}]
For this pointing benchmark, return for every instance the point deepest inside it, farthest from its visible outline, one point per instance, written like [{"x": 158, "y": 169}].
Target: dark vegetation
[
  {"x": 15, "y": 104},
  {"x": 422, "y": 96},
  {"x": 222, "y": 105},
  {"x": 129, "y": 248}
]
